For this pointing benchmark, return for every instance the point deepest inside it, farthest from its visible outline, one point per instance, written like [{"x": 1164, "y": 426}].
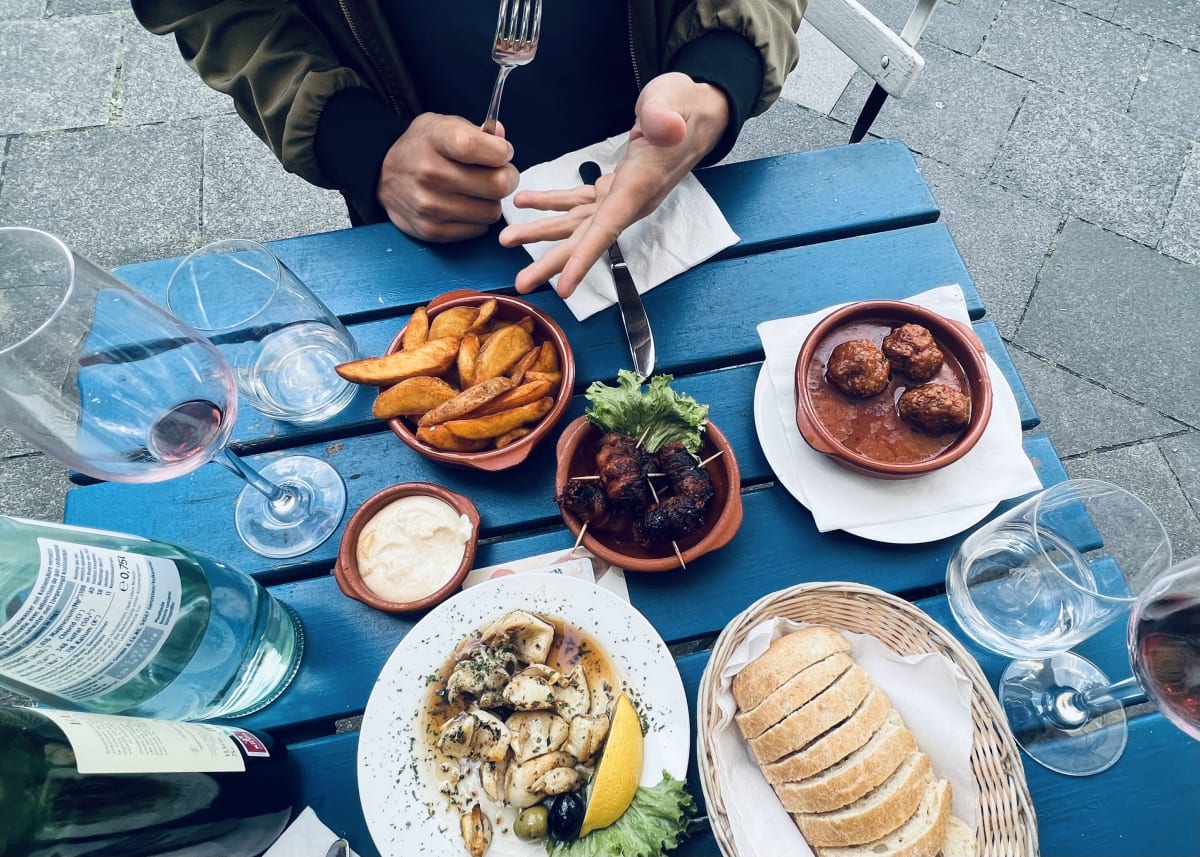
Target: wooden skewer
[
  {"x": 585, "y": 478},
  {"x": 716, "y": 454},
  {"x": 643, "y": 437},
  {"x": 579, "y": 539},
  {"x": 674, "y": 544}
]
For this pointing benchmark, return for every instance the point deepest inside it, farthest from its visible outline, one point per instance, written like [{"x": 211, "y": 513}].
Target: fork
[{"x": 517, "y": 30}]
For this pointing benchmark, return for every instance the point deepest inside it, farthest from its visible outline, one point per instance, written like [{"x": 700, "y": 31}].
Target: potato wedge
[
  {"x": 432, "y": 358},
  {"x": 416, "y": 332},
  {"x": 412, "y": 397},
  {"x": 466, "y": 401},
  {"x": 547, "y": 360},
  {"x": 442, "y": 438},
  {"x": 487, "y": 311},
  {"x": 452, "y": 322},
  {"x": 517, "y": 373},
  {"x": 494, "y": 425},
  {"x": 514, "y": 398},
  {"x": 468, "y": 356},
  {"x": 555, "y": 378},
  {"x": 510, "y": 437},
  {"x": 501, "y": 352}
]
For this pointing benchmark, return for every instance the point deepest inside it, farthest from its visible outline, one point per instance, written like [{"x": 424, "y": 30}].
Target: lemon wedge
[{"x": 619, "y": 770}]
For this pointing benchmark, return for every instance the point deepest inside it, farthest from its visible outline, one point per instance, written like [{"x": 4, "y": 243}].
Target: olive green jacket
[{"x": 282, "y": 60}]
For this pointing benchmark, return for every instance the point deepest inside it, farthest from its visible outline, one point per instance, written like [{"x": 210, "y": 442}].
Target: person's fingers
[
  {"x": 660, "y": 125},
  {"x": 458, "y": 140},
  {"x": 545, "y": 229},
  {"x": 542, "y": 269},
  {"x": 555, "y": 200}
]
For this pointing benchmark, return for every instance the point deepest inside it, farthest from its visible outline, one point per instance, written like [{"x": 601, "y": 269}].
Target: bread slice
[
  {"x": 877, "y": 814},
  {"x": 854, "y": 776},
  {"x": 798, "y": 690},
  {"x": 784, "y": 658},
  {"x": 826, "y": 709},
  {"x": 835, "y": 745},
  {"x": 960, "y": 839},
  {"x": 920, "y": 836}
]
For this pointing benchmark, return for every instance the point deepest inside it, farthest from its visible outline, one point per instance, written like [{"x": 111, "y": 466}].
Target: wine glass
[
  {"x": 1075, "y": 718},
  {"x": 1043, "y": 577},
  {"x": 107, "y": 382}
]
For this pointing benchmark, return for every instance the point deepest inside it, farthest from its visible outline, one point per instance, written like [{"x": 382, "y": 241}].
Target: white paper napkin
[
  {"x": 307, "y": 836},
  {"x": 994, "y": 470},
  {"x": 681, "y": 233},
  {"x": 931, "y": 694}
]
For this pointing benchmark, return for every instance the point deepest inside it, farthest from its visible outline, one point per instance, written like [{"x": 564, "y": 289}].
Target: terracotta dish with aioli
[{"x": 891, "y": 389}]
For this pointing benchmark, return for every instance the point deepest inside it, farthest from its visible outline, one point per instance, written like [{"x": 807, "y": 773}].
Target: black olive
[{"x": 566, "y": 817}]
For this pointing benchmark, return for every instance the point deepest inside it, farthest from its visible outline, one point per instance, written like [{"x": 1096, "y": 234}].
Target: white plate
[
  {"x": 404, "y": 811},
  {"x": 917, "y": 530}
]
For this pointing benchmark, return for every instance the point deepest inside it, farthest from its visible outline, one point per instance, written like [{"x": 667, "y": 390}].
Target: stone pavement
[{"x": 1060, "y": 140}]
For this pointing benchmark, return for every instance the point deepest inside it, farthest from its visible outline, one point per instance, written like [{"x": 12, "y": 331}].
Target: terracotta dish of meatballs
[{"x": 891, "y": 389}]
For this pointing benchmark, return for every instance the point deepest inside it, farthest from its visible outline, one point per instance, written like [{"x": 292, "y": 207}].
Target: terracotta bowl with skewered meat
[{"x": 610, "y": 532}]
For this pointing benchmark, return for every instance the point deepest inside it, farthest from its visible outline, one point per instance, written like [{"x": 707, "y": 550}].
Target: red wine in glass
[
  {"x": 1166, "y": 657},
  {"x": 185, "y": 430}
]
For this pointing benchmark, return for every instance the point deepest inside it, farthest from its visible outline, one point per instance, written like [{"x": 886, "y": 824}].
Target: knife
[{"x": 633, "y": 313}]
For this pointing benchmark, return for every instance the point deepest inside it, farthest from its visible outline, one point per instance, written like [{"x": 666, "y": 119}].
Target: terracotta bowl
[
  {"x": 345, "y": 570},
  {"x": 545, "y": 329},
  {"x": 836, "y": 425},
  {"x": 723, "y": 515}
]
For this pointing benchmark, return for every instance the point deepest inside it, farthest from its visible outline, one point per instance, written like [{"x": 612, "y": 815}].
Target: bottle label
[
  {"x": 93, "y": 619},
  {"x": 111, "y": 744}
]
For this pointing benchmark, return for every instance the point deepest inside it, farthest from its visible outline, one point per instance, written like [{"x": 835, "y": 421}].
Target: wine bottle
[
  {"x": 77, "y": 784},
  {"x": 115, "y": 624}
]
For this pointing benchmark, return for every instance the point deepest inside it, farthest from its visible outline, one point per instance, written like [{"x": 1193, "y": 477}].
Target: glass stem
[
  {"x": 1070, "y": 708},
  {"x": 283, "y": 498}
]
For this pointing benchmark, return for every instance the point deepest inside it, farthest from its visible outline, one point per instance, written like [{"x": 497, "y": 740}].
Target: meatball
[
  {"x": 910, "y": 349},
  {"x": 858, "y": 368},
  {"x": 935, "y": 408}
]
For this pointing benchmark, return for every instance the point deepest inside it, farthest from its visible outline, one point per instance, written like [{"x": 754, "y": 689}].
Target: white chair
[{"x": 890, "y": 59}]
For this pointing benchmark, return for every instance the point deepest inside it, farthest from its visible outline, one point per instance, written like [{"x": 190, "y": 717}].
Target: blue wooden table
[{"x": 816, "y": 229}]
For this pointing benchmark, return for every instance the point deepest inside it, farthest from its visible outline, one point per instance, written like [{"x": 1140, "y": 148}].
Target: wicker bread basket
[{"x": 1007, "y": 824}]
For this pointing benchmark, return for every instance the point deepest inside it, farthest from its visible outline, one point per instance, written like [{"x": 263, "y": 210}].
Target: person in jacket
[{"x": 382, "y": 100}]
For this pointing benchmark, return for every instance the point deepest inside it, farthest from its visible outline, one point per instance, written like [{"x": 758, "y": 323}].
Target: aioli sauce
[
  {"x": 411, "y": 547},
  {"x": 873, "y": 427}
]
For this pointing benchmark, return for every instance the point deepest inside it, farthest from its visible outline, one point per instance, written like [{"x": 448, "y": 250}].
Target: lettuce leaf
[
  {"x": 659, "y": 415},
  {"x": 655, "y": 822}
]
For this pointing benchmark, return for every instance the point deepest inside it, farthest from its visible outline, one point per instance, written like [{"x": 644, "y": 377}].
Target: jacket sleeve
[
  {"x": 269, "y": 57},
  {"x": 769, "y": 25}
]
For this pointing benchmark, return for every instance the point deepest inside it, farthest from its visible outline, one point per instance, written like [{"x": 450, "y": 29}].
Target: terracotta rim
[
  {"x": 515, "y": 453},
  {"x": 960, "y": 339},
  {"x": 720, "y": 534},
  {"x": 345, "y": 570}
]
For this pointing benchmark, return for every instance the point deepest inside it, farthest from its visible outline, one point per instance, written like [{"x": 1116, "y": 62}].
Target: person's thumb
[{"x": 660, "y": 125}]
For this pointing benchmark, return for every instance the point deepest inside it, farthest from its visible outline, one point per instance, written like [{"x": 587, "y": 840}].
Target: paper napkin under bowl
[
  {"x": 994, "y": 470},
  {"x": 682, "y": 232},
  {"x": 307, "y": 836}
]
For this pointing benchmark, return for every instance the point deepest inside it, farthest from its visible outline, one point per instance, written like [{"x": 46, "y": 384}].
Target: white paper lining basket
[{"x": 1007, "y": 823}]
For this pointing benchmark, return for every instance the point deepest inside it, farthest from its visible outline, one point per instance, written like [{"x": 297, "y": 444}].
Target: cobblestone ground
[{"x": 1060, "y": 140}]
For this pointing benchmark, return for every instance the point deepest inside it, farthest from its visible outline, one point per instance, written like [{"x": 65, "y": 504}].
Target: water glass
[
  {"x": 281, "y": 340},
  {"x": 1055, "y": 569}
]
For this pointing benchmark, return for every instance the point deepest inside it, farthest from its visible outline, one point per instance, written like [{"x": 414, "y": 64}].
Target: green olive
[{"x": 532, "y": 823}]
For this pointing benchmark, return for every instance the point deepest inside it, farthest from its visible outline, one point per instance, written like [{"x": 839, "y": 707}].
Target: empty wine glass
[
  {"x": 1045, "y": 576},
  {"x": 106, "y": 381},
  {"x": 1073, "y": 719}
]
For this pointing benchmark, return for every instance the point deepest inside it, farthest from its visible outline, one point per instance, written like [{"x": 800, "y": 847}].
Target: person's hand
[
  {"x": 444, "y": 178},
  {"x": 678, "y": 122}
]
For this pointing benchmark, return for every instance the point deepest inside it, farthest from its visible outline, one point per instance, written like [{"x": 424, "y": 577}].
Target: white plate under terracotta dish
[
  {"x": 915, "y": 530},
  {"x": 403, "y": 808}
]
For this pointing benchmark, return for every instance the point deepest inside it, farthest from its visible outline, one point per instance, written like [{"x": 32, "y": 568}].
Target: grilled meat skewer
[{"x": 623, "y": 467}]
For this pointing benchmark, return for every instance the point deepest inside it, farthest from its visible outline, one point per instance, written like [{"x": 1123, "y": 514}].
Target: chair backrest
[{"x": 890, "y": 58}]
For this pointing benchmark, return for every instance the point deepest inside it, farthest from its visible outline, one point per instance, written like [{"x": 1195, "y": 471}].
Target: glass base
[
  {"x": 1032, "y": 691},
  {"x": 290, "y": 528}
]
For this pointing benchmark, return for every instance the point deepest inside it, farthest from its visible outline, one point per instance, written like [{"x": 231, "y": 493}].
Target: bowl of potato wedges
[{"x": 473, "y": 379}]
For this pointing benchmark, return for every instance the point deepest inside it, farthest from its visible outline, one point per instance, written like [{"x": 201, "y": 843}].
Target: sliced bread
[
  {"x": 835, "y": 745},
  {"x": 921, "y": 836},
  {"x": 825, "y": 710},
  {"x": 875, "y": 815},
  {"x": 795, "y": 692},
  {"x": 784, "y": 658},
  {"x": 854, "y": 776},
  {"x": 960, "y": 839}
]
